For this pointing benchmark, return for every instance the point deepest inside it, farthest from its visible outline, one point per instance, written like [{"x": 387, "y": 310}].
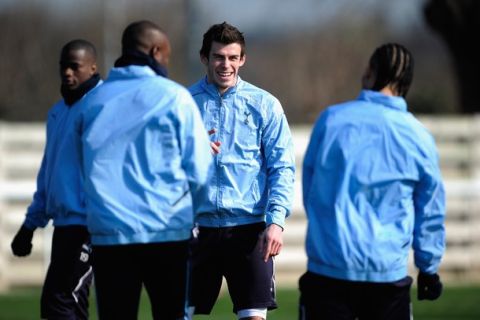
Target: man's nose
[
  {"x": 225, "y": 63},
  {"x": 67, "y": 71}
]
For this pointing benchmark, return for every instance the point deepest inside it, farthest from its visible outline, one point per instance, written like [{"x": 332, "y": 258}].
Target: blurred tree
[{"x": 458, "y": 23}]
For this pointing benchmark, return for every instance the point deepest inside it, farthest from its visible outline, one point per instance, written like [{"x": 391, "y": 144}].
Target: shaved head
[
  {"x": 147, "y": 37},
  {"x": 77, "y": 45}
]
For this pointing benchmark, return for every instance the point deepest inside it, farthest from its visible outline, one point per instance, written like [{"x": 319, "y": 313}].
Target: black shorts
[
  {"x": 121, "y": 271},
  {"x": 66, "y": 288},
  {"x": 324, "y": 298},
  {"x": 233, "y": 253}
]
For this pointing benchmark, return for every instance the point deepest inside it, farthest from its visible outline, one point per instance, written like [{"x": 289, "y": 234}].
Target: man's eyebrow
[{"x": 225, "y": 55}]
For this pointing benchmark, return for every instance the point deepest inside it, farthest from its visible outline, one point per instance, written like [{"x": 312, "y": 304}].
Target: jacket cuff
[
  {"x": 29, "y": 225},
  {"x": 276, "y": 216}
]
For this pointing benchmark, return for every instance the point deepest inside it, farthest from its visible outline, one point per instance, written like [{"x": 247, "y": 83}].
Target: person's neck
[
  {"x": 221, "y": 91},
  {"x": 388, "y": 91}
]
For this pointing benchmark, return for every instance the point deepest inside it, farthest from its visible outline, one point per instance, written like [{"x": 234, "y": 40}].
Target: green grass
[{"x": 457, "y": 303}]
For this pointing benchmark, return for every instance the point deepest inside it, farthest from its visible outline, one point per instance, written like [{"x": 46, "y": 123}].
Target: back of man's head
[
  {"x": 141, "y": 35},
  {"x": 392, "y": 65},
  {"x": 223, "y": 33}
]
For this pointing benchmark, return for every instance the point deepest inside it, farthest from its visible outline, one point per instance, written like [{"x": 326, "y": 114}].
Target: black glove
[
  {"x": 429, "y": 286},
  {"x": 22, "y": 242}
]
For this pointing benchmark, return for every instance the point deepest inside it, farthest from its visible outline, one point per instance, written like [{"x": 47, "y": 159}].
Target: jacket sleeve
[
  {"x": 280, "y": 162},
  {"x": 196, "y": 155},
  {"x": 36, "y": 215},
  {"x": 429, "y": 229}
]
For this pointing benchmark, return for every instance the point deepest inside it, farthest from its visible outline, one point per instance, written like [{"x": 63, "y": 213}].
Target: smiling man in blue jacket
[
  {"x": 372, "y": 190},
  {"x": 59, "y": 196},
  {"x": 145, "y": 154},
  {"x": 242, "y": 210}
]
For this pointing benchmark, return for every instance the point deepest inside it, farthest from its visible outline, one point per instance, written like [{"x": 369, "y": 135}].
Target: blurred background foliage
[{"x": 308, "y": 53}]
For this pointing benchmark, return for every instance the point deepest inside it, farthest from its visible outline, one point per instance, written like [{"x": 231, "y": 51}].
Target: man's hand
[
  {"x": 272, "y": 241},
  {"x": 429, "y": 286},
  {"x": 215, "y": 145},
  {"x": 22, "y": 242}
]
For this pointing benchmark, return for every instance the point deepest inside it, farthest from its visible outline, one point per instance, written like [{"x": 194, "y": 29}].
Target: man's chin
[{"x": 225, "y": 84}]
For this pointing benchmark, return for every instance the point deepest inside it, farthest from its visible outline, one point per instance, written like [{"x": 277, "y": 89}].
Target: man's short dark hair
[
  {"x": 137, "y": 35},
  {"x": 392, "y": 64},
  {"x": 223, "y": 33},
  {"x": 80, "y": 44}
]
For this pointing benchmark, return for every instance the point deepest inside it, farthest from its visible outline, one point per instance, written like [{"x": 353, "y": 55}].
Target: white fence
[{"x": 458, "y": 139}]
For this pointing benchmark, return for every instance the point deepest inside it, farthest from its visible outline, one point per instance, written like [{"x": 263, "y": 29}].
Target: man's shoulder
[
  {"x": 259, "y": 98},
  {"x": 341, "y": 110},
  {"x": 196, "y": 88},
  {"x": 56, "y": 109},
  {"x": 250, "y": 89},
  {"x": 166, "y": 93},
  {"x": 419, "y": 129},
  {"x": 141, "y": 75},
  {"x": 156, "y": 87},
  {"x": 166, "y": 83}
]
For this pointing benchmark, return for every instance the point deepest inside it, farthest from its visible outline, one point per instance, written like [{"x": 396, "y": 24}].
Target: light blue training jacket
[
  {"x": 372, "y": 190},
  {"x": 254, "y": 173},
  {"x": 145, "y": 152},
  {"x": 59, "y": 195}
]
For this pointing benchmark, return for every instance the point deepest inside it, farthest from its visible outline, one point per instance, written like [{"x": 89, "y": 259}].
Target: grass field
[{"x": 457, "y": 303}]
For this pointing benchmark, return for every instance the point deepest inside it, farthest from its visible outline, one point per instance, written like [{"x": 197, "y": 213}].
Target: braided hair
[{"x": 392, "y": 65}]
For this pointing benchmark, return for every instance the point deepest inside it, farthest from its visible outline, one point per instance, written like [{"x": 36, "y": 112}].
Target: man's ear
[
  {"x": 204, "y": 59},
  {"x": 156, "y": 53},
  {"x": 93, "y": 69},
  {"x": 160, "y": 54},
  {"x": 242, "y": 60}
]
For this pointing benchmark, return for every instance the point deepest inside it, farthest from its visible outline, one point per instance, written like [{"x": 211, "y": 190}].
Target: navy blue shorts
[
  {"x": 122, "y": 270},
  {"x": 66, "y": 288},
  {"x": 324, "y": 298},
  {"x": 233, "y": 253}
]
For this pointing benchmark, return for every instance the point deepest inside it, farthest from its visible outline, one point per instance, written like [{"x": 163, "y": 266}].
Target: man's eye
[{"x": 72, "y": 66}]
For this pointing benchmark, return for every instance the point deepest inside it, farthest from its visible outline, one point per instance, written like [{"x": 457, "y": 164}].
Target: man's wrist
[
  {"x": 275, "y": 224},
  {"x": 29, "y": 226},
  {"x": 275, "y": 217}
]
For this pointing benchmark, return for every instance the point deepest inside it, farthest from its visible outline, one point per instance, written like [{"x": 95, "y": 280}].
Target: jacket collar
[
  {"x": 393, "y": 102},
  {"x": 71, "y": 96},
  {"x": 139, "y": 58},
  {"x": 129, "y": 72},
  {"x": 213, "y": 90}
]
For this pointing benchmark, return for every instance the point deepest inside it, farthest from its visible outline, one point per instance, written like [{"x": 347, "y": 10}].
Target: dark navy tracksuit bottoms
[{"x": 66, "y": 288}]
